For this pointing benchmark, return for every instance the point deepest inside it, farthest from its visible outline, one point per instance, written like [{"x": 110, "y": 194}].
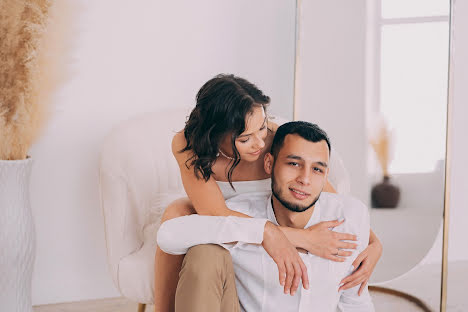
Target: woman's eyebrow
[{"x": 243, "y": 135}]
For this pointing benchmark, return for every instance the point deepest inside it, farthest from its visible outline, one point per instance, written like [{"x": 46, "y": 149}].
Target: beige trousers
[{"x": 207, "y": 281}]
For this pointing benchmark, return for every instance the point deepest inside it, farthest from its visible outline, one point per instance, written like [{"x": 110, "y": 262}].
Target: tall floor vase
[{"x": 17, "y": 236}]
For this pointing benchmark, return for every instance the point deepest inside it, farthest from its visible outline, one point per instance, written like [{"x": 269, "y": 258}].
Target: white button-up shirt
[{"x": 257, "y": 278}]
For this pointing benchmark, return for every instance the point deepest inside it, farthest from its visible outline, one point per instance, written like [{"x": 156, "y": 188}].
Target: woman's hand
[
  {"x": 321, "y": 241},
  {"x": 291, "y": 268},
  {"x": 365, "y": 263}
]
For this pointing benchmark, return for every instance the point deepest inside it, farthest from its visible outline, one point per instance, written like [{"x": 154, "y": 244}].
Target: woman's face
[{"x": 251, "y": 142}]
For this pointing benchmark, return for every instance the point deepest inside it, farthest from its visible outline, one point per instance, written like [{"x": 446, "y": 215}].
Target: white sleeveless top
[{"x": 243, "y": 187}]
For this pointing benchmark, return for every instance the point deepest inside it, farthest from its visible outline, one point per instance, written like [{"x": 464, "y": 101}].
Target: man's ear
[{"x": 268, "y": 163}]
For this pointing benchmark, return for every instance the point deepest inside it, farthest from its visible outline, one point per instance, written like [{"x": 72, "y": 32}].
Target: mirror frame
[{"x": 448, "y": 160}]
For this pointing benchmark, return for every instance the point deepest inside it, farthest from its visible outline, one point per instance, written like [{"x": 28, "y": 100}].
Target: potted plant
[{"x": 32, "y": 63}]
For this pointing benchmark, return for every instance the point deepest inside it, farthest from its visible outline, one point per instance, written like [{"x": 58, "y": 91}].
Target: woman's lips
[
  {"x": 257, "y": 152},
  {"x": 298, "y": 194}
]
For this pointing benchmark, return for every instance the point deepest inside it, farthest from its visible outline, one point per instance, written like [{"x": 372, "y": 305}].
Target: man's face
[{"x": 299, "y": 172}]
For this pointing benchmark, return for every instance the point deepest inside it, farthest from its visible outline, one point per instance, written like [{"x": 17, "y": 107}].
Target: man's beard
[{"x": 291, "y": 206}]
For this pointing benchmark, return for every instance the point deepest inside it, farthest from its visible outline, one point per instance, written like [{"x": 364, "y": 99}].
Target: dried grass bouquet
[
  {"x": 34, "y": 49},
  {"x": 381, "y": 142}
]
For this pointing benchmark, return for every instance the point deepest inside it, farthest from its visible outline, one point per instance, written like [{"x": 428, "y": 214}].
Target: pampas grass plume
[
  {"x": 34, "y": 51},
  {"x": 380, "y": 142}
]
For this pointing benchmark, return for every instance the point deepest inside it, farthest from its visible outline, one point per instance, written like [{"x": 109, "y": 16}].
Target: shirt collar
[{"x": 314, "y": 219}]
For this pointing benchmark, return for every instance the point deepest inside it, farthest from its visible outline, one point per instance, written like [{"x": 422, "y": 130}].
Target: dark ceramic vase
[{"x": 385, "y": 194}]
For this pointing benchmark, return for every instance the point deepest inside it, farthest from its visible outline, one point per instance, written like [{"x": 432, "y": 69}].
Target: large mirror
[{"x": 374, "y": 74}]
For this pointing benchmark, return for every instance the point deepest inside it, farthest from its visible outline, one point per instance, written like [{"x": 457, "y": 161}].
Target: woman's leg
[{"x": 167, "y": 267}]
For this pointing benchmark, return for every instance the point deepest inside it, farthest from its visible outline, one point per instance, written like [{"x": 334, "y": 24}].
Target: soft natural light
[
  {"x": 414, "y": 8},
  {"x": 414, "y": 74}
]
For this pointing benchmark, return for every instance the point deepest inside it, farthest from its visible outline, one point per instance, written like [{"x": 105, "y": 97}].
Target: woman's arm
[
  {"x": 365, "y": 264},
  {"x": 177, "y": 235},
  {"x": 206, "y": 197}
]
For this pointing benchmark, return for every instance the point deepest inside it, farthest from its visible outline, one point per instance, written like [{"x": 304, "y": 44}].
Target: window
[{"x": 410, "y": 74}]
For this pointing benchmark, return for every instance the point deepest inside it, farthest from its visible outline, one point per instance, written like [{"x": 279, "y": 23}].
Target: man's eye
[
  {"x": 295, "y": 164},
  {"x": 318, "y": 169}
]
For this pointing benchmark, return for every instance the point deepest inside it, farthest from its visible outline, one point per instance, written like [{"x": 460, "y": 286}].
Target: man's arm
[{"x": 177, "y": 235}]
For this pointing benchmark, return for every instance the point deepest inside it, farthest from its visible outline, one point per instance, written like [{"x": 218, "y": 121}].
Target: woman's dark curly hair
[{"x": 223, "y": 104}]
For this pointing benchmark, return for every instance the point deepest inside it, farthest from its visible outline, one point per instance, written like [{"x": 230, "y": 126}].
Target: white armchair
[{"x": 139, "y": 177}]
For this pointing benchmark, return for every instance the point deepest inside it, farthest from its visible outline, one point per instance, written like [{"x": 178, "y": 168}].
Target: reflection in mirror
[{"x": 375, "y": 75}]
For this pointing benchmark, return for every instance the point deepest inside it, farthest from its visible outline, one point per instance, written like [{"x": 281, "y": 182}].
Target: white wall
[
  {"x": 133, "y": 57},
  {"x": 331, "y": 80}
]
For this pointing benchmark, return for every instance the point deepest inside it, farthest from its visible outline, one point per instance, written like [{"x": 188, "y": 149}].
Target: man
[{"x": 298, "y": 165}]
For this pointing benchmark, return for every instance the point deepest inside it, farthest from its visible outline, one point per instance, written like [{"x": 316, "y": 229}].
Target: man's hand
[
  {"x": 321, "y": 241},
  {"x": 291, "y": 268}
]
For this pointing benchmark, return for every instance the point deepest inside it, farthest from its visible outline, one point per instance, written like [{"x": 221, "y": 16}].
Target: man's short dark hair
[{"x": 306, "y": 130}]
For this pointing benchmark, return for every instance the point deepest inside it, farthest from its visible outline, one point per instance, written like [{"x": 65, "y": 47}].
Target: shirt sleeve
[
  {"x": 350, "y": 301},
  {"x": 177, "y": 235}
]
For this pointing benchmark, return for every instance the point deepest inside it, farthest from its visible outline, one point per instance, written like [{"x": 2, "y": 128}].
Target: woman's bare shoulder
[
  {"x": 272, "y": 126},
  {"x": 178, "y": 144}
]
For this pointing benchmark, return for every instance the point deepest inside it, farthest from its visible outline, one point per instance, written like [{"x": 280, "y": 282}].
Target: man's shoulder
[
  {"x": 344, "y": 205},
  {"x": 354, "y": 211}
]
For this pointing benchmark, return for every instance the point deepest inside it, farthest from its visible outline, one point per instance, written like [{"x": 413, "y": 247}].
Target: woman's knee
[{"x": 178, "y": 208}]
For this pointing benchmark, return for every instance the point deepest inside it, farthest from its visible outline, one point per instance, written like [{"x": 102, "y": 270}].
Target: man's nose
[{"x": 304, "y": 177}]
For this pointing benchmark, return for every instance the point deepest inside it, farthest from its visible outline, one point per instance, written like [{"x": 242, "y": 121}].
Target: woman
[{"x": 223, "y": 144}]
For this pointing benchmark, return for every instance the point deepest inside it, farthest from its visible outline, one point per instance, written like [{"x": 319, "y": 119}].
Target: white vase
[{"x": 17, "y": 236}]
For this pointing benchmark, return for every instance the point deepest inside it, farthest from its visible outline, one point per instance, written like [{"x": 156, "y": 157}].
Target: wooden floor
[
  {"x": 101, "y": 305},
  {"x": 411, "y": 283},
  {"x": 382, "y": 303}
]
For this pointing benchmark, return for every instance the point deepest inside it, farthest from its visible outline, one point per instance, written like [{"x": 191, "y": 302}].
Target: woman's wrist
[
  {"x": 377, "y": 246},
  {"x": 375, "y": 242},
  {"x": 294, "y": 236}
]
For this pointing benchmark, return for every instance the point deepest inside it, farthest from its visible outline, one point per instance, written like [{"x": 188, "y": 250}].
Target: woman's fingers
[
  {"x": 352, "y": 283},
  {"x": 297, "y": 278},
  {"x": 291, "y": 272},
  {"x": 289, "y": 277},
  {"x": 346, "y": 236},
  {"x": 355, "y": 278},
  {"x": 345, "y": 245},
  {"x": 282, "y": 273},
  {"x": 335, "y": 258},
  {"x": 359, "y": 259},
  {"x": 344, "y": 253},
  {"x": 305, "y": 275},
  {"x": 331, "y": 224},
  {"x": 363, "y": 286}
]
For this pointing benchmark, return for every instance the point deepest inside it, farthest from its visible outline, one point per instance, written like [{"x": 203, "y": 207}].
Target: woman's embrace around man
[{"x": 223, "y": 153}]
